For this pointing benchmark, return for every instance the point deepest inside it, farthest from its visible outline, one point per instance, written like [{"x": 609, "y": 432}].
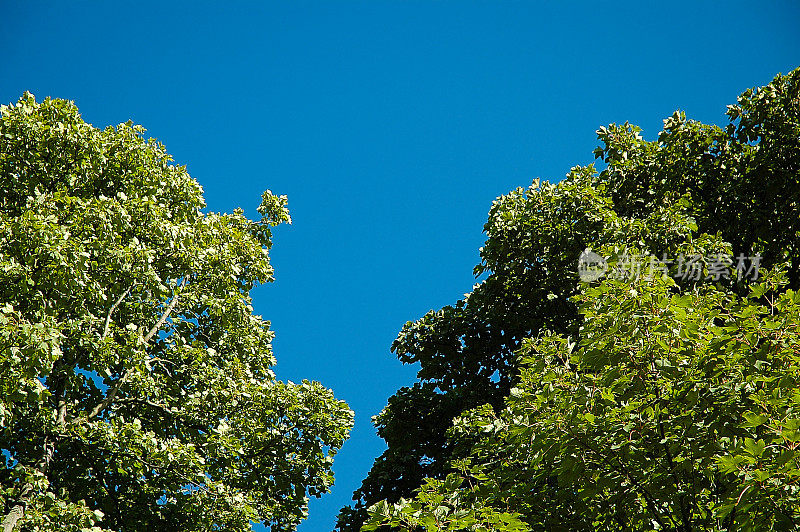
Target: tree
[
  {"x": 697, "y": 190},
  {"x": 676, "y": 410},
  {"x": 135, "y": 383}
]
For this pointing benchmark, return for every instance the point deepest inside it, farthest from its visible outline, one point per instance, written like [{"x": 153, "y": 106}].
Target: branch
[
  {"x": 164, "y": 316},
  {"x": 147, "y": 402},
  {"x": 112, "y": 392},
  {"x": 62, "y": 411},
  {"x": 109, "y": 398},
  {"x": 61, "y": 403},
  {"x": 111, "y": 311},
  {"x": 18, "y": 509}
]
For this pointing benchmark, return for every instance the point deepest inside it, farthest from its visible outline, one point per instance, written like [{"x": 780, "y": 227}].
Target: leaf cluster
[
  {"x": 136, "y": 389},
  {"x": 654, "y": 402}
]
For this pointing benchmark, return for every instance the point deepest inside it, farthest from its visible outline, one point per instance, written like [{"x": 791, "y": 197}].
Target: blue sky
[{"x": 391, "y": 126}]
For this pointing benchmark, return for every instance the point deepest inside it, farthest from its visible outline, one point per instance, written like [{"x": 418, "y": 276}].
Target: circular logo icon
[{"x": 591, "y": 266}]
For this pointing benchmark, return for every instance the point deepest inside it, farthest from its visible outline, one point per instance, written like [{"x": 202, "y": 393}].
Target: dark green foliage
[{"x": 549, "y": 445}]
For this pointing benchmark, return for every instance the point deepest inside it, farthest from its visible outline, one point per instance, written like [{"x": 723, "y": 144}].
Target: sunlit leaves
[{"x": 136, "y": 389}]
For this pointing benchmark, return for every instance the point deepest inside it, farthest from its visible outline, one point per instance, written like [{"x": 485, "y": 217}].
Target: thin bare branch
[
  {"x": 112, "y": 392},
  {"x": 111, "y": 311},
  {"x": 109, "y": 398},
  {"x": 17, "y": 511},
  {"x": 164, "y": 316}
]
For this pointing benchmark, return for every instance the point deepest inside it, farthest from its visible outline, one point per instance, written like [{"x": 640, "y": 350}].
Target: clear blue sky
[{"x": 391, "y": 126}]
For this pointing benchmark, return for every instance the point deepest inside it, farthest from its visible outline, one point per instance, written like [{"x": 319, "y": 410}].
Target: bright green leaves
[
  {"x": 27, "y": 351},
  {"x": 753, "y": 420},
  {"x": 274, "y": 211},
  {"x": 673, "y": 409},
  {"x": 136, "y": 389},
  {"x": 443, "y": 506}
]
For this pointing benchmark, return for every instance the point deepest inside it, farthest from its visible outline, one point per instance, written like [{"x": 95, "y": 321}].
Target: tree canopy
[
  {"x": 135, "y": 383},
  {"x": 655, "y": 400}
]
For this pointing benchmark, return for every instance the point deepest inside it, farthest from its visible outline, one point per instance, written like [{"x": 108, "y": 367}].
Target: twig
[
  {"x": 164, "y": 316},
  {"x": 112, "y": 392},
  {"x": 111, "y": 311}
]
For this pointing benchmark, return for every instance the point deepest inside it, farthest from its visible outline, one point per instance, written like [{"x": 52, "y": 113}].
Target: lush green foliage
[
  {"x": 135, "y": 383},
  {"x": 635, "y": 403},
  {"x": 672, "y": 412}
]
